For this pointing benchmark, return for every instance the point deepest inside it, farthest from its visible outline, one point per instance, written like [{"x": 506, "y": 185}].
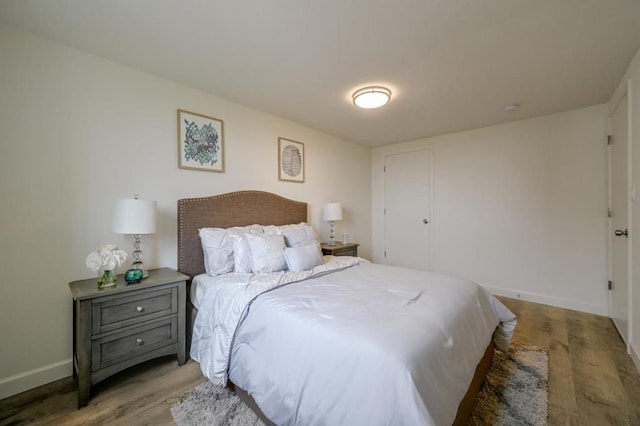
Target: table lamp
[
  {"x": 135, "y": 217},
  {"x": 332, "y": 212}
]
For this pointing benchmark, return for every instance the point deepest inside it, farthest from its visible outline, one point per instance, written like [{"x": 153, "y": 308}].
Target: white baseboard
[
  {"x": 21, "y": 382},
  {"x": 552, "y": 301}
]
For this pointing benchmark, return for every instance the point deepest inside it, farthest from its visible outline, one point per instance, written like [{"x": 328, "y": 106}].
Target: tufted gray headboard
[{"x": 239, "y": 208}]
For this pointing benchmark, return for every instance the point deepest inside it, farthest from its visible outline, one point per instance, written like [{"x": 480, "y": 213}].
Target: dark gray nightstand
[
  {"x": 339, "y": 249},
  {"x": 118, "y": 327}
]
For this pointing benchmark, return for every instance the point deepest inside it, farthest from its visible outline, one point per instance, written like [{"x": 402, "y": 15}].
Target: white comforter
[{"x": 348, "y": 343}]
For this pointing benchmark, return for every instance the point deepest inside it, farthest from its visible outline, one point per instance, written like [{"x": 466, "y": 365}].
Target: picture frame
[
  {"x": 200, "y": 142},
  {"x": 291, "y": 160}
]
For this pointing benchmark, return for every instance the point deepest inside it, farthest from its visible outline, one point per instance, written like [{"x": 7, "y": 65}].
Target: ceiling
[{"x": 452, "y": 65}]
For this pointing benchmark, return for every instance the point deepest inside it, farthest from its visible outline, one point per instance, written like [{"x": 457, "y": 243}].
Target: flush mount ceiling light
[
  {"x": 511, "y": 108},
  {"x": 371, "y": 97}
]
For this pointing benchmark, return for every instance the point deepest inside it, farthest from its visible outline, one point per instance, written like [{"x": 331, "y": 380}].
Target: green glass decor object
[
  {"x": 107, "y": 278},
  {"x": 133, "y": 276}
]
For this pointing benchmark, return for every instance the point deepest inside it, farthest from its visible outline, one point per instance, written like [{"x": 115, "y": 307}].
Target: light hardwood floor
[{"x": 592, "y": 380}]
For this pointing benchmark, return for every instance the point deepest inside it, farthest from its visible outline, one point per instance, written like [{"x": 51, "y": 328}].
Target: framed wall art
[
  {"x": 290, "y": 160},
  {"x": 200, "y": 142}
]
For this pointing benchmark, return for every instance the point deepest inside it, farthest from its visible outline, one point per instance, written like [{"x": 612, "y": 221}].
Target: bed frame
[{"x": 244, "y": 208}]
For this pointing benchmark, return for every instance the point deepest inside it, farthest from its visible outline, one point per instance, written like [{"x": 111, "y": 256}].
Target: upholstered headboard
[{"x": 240, "y": 208}]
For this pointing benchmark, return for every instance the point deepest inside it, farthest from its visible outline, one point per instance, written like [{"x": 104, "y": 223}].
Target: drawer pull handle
[
  {"x": 139, "y": 308},
  {"x": 139, "y": 342}
]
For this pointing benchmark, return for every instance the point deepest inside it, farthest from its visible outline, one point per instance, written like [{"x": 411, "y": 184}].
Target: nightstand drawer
[
  {"x": 346, "y": 252},
  {"x": 339, "y": 249},
  {"x": 134, "y": 341},
  {"x": 123, "y": 311}
]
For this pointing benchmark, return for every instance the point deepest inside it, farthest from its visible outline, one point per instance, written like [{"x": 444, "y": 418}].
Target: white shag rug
[{"x": 513, "y": 393}]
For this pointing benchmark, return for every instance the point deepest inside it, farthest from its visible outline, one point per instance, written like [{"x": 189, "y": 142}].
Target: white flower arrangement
[{"x": 107, "y": 257}]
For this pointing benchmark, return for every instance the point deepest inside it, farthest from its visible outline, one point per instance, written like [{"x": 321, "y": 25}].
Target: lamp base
[
  {"x": 133, "y": 276},
  {"x": 137, "y": 264},
  {"x": 332, "y": 235},
  {"x": 137, "y": 256}
]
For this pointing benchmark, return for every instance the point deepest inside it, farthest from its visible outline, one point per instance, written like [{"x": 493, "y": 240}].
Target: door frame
[
  {"x": 615, "y": 102},
  {"x": 430, "y": 201}
]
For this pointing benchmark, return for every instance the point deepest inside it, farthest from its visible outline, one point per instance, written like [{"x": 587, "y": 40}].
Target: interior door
[
  {"x": 407, "y": 216},
  {"x": 619, "y": 222}
]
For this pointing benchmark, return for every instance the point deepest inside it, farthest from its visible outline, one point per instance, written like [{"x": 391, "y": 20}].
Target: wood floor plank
[
  {"x": 592, "y": 380},
  {"x": 563, "y": 408},
  {"x": 599, "y": 355},
  {"x": 133, "y": 394},
  {"x": 600, "y": 394}
]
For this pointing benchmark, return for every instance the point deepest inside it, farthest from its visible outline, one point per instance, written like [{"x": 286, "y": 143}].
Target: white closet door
[
  {"x": 619, "y": 222},
  {"x": 407, "y": 215}
]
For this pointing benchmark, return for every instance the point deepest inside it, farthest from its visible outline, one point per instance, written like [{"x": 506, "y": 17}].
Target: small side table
[
  {"x": 118, "y": 327},
  {"x": 339, "y": 249}
]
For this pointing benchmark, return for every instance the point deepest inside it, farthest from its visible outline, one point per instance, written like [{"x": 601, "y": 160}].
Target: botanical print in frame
[
  {"x": 290, "y": 160},
  {"x": 200, "y": 142}
]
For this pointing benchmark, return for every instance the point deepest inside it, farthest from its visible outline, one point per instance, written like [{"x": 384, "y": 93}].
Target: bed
[{"x": 320, "y": 401}]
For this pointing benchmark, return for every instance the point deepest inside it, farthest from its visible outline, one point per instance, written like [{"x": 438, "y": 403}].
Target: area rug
[
  {"x": 513, "y": 393},
  {"x": 515, "y": 389}
]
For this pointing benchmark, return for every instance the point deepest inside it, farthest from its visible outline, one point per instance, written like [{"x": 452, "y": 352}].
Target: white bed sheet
[
  {"x": 365, "y": 345},
  {"x": 199, "y": 286}
]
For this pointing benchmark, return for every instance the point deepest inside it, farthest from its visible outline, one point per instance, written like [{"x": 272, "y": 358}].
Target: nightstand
[
  {"x": 339, "y": 249},
  {"x": 118, "y": 327}
]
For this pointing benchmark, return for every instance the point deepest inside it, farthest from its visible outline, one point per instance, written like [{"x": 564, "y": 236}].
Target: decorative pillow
[
  {"x": 295, "y": 237},
  {"x": 217, "y": 249},
  {"x": 303, "y": 258},
  {"x": 298, "y": 235},
  {"x": 241, "y": 251},
  {"x": 249, "y": 229},
  {"x": 266, "y": 252},
  {"x": 271, "y": 229},
  {"x": 241, "y": 254}
]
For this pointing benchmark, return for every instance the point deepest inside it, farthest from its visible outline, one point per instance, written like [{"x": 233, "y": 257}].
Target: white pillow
[
  {"x": 303, "y": 258},
  {"x": 249, "y": 229},
  {"x": 271, "y": 229},
  {"x": 266, "y": 252},
  {"x": 217, "y": 249},
  {"x": 241, "y": 254},
  {"x": 298, "y": 235}
]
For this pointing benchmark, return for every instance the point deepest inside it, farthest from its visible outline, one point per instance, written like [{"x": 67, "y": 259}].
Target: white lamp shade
[
  {"x": 134, "y": 216},
  {"x": 332, "y": 211}
]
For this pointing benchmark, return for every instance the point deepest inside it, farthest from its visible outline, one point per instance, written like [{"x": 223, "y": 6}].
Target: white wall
[
  {"x": 520, "y": 207},
  {"x": 76, "y": 133},
  {"x": 631, "y": 81}
]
